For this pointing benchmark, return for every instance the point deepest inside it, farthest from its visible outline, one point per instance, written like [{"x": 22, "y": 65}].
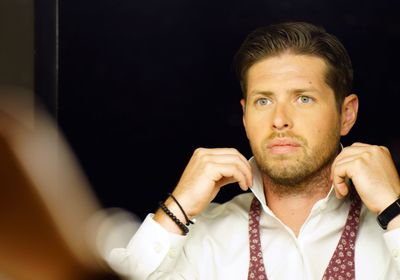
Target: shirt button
[
  {"x": 396, "y": 253},
  {"x": 157, "y": 247},
  {"x": 172, "y": 253},
  {"x": 323, "y": 206}
]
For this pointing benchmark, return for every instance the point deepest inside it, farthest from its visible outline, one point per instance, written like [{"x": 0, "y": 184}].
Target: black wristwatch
[{"x": 392, "y": 211}]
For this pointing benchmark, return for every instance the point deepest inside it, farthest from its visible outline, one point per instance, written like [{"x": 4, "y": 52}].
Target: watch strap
[{"x": 392, "y": 211}]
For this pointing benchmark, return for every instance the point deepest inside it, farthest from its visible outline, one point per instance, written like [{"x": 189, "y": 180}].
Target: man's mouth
[{"x": 283, "y": 146}]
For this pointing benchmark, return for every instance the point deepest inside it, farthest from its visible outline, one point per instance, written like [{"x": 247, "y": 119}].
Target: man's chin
[
  {"x": 286, "y": 172},
  {"x": 284, "y": 162},
  {"x": 287, "y": 159}
]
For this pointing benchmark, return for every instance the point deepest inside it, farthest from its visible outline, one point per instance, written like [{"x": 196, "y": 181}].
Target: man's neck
[{"x": 293, "y": 207}]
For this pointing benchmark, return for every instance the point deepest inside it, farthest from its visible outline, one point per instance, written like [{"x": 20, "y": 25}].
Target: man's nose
[{"x": 281, "y": 117}]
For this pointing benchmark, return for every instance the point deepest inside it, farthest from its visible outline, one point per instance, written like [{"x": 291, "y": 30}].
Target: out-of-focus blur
[{"x": 51, "y": 224}]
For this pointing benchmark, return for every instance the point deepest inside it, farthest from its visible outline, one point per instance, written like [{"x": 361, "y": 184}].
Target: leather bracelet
[
  {"x": 188, "y": 221},
  {"x": 174, "y": 218}
]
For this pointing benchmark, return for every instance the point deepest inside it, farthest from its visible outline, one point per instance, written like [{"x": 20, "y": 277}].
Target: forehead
[{"x": 296, "y": 70}]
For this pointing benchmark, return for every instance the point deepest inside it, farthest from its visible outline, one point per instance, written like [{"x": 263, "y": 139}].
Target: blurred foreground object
[{"x": 47, "y": 229}]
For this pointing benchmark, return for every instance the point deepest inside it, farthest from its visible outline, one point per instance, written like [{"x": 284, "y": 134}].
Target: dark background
[{"x": 141, "y": 84}]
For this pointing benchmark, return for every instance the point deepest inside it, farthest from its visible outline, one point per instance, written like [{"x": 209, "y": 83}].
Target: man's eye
[
  {"x": 263, "y": 101},
  {"x": 305, "y": 99}
]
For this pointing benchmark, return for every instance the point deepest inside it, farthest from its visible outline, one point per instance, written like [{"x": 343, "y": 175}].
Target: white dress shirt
[{"x": 217, "y": 246}]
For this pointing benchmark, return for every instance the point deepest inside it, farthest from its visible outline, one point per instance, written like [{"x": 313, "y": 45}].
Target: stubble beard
[{"x": 301, "y": 175}]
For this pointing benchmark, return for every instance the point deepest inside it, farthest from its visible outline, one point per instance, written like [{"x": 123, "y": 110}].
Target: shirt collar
[{"x": 258, "y": 187}]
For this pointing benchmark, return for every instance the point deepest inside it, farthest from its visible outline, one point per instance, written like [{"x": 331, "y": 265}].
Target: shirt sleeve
[
  {"x": 392, "y": 240},
  {"x": 151, "y": 251}
]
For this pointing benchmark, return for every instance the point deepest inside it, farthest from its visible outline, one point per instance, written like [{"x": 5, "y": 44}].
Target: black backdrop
[{"x": 143, "y": 83}]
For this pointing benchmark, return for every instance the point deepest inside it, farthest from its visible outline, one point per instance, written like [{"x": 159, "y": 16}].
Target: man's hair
[{"x": 299, "y": 38}]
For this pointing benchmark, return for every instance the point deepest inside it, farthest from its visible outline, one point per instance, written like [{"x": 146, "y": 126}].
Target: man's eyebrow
[
  {"x": 261, "y": 92},
  {"x": 301, "y": 90},
  {"x": 294, "y": 90}
]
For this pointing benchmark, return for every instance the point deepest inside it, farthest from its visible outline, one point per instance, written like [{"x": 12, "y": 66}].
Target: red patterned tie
[{"x": 341, "y": 265}]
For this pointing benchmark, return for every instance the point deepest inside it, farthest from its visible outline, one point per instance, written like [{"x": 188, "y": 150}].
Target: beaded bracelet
[
  {"x": 188, "y": 222},
  {"x": 174, "y": 218}
]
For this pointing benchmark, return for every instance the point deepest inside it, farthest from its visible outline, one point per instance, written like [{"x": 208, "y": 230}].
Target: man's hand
[
  {"x": 207, "y": 171},
  {"x": 372, "y": 172}
]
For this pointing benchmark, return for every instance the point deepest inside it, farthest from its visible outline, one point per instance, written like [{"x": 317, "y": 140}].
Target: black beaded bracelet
[
  {"x": 174, "y": 218},
  {"x": 188, "y": 222}
]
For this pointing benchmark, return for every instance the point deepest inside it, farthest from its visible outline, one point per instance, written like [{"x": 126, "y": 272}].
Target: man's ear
[
  {"x": 243, "y": 103},
  {"x": 349, "y": 113}
]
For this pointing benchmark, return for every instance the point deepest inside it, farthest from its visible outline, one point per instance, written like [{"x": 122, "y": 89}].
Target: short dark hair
[{"x": 297, "y": 38}]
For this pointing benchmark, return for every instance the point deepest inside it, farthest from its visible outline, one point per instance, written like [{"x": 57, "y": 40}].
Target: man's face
[{"x": 290, "y": 117}]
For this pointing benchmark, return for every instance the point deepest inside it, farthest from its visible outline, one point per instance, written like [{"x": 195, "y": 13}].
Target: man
[{"x": 311, "y": 212}]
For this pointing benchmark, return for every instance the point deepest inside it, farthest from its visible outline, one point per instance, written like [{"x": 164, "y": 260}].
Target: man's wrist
[{"x": 165, "y": 221}]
